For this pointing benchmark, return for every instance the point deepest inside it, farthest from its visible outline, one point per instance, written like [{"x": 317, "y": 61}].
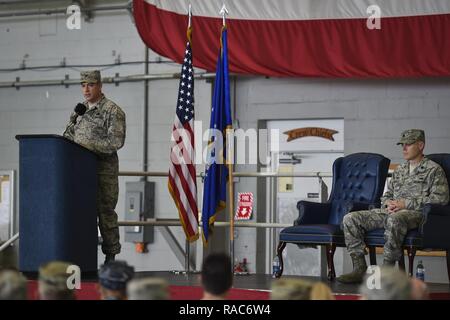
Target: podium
[{"x": 57, "y": 206}]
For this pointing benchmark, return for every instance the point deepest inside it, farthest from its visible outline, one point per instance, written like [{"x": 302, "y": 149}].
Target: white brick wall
[{"x": 375, "y": 112}]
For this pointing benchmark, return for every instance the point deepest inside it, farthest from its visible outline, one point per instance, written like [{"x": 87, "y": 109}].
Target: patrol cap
[
  {"x": 411, "y": 136},
  {"x": 291, "y": 289},
  {"x": 148, "y": 289},
  {"x": 55, "y": 273},
  {"x": 115, "y": 274},
  {"x": 90, "y": 76}
]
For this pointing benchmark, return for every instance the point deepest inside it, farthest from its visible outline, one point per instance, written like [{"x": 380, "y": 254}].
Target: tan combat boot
[{"x": 359, "y": 270}]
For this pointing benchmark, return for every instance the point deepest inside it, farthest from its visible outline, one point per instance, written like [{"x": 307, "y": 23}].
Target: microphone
[{"x": 80, "y": 109}]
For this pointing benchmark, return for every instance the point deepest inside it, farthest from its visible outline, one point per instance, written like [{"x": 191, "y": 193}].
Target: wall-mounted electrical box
[{"x": 139, "y": 206}]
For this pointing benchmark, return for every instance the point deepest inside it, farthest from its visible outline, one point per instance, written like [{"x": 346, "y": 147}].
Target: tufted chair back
[
  {"x": 358, "y": 177},
  {"x": 442, "y": 159}
]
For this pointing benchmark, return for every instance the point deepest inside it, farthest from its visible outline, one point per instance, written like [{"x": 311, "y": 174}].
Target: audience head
[
  {"x": 386, "y": 283},
  {"x": 113, "y": 278},
  {"x": 13, "y": 285},
  {"x": 320, "y": 291},
  {"x": 148, "y": 289},
  {"x": 298, "y": 289},
  {"x": 419, "y": 290},
  {"x": 52, "y": 284},
  {"x": 217, "y": 276}
]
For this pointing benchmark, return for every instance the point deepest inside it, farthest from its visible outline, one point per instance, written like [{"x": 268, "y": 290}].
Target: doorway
[{"x": 309, "y": 150}]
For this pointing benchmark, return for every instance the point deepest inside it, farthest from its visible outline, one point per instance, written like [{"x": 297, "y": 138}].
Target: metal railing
[
  {"x": 175, "y": 222},
  {"x": 9, "y": 242},
  {"x": 314, "y": 174}
]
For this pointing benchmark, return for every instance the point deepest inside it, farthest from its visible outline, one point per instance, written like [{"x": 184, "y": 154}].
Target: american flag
[{"x": 182, "y": 175}]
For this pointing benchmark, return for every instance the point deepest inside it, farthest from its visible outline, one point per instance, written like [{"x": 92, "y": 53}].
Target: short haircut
[{"x": 217, "y": 275}]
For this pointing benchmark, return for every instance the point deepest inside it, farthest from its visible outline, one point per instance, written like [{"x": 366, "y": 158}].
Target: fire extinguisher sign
[{"x": 245, "y": 206}]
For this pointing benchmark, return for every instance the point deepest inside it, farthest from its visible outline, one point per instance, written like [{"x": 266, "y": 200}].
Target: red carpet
[
  {"x": 196, "y": 293},
  {"x": 89, "y": 291}
]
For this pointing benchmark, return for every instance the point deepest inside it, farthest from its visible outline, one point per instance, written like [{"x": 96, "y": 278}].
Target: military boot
[
  {"x": 109, "y": 258},
  {"x": 359, "y": 270}
]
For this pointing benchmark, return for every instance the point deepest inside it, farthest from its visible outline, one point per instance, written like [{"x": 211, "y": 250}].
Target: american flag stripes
[{"x": 182, "y": 174}]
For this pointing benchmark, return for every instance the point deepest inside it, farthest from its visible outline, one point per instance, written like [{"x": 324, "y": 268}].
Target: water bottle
[
  {"x": 275, "y": 267},
  {"x": 420, "y": 272}
]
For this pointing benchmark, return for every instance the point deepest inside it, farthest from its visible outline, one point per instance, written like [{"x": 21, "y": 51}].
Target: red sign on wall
[{"x": 245, "y": 206}]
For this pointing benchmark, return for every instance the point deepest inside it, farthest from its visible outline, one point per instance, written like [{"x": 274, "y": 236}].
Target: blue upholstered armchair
[
  {"x": 358, "y": 182},
  {"x": 434, "y": 233}
]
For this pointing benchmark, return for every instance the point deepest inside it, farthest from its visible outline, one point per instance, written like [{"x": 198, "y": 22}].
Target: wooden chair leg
[
  {"x": 331, "y": 248},
  {"x": 401, "y": 262},
  {"x": 448, "y": 264},
  {"x": 373, "y": 256},
  {"x": 280, "y": 249},
  {"x": 411, "y": 254}
]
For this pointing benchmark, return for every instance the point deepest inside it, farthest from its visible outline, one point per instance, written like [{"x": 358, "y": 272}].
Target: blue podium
[{"x": 57, "y": 206}]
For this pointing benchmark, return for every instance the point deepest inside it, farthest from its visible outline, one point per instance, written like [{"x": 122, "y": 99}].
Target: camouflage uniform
[
  {"x": 416, "y": 186},
  {"x": 425, "y": 184},
  {"x": 101, "y": 129}
]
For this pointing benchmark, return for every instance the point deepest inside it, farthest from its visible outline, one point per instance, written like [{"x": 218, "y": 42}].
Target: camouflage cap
[
  {"x": 148, "y": 289},
  {"x": 55, "y": 273},
  {"x": 291, "y": 289},
  {"x": 411, "y": 136},
  {"x": 90, "y": 76},
  {"x": 115, "y": 275}
]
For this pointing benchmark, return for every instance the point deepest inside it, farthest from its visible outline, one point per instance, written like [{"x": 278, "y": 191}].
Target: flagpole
[
  {"x": 189, "y": 15},
  {"x": 231, "y": 198},
  {"x": 229, "y": 144}
]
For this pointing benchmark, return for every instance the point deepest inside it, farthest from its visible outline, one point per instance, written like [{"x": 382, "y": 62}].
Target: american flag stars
[{"x": 185, "y": 110}]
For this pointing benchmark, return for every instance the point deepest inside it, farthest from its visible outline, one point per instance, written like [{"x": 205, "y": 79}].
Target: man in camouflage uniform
[
  {"x": 414, "y": 183},
  {"x": 101, "y": 129}
]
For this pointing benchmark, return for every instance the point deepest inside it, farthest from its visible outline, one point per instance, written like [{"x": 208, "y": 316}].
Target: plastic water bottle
[
  {"x": 420, "y": 272},
  {"x": 275, "y": 267}
]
